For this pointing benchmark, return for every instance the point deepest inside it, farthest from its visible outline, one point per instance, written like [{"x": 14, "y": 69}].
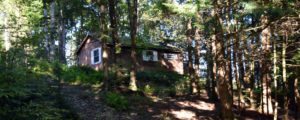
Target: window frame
[
  {"x": 147, "y": 58},
  {"x": 174, "y": 56},
  {"x": 99, "y": 55}
]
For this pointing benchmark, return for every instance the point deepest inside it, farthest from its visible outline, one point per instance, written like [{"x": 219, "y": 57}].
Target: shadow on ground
[{"x": 89, "y": 105}]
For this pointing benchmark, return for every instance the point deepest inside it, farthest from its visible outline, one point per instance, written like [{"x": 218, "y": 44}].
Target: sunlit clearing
[
  {"x": 199, "y": 105},
  {"x": 184, "y": 114}
]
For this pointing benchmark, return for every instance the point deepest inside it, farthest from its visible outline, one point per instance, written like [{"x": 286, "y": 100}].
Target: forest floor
[{"x": 89, "y": 104}]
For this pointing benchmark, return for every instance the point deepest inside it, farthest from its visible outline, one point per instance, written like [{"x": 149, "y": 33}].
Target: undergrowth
[
  {"x": 117, "y": 101},
  {"x": 27, "y": 91}
]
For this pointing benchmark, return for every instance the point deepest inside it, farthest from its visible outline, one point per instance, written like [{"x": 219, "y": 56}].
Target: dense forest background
[{"x": 251, "y": 52}]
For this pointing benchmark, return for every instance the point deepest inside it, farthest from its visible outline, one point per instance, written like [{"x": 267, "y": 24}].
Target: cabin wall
[
  {"x": 84, "y": 56},
  {"x": 162, "y": 63},
  {"x": 84, "y": 59}
]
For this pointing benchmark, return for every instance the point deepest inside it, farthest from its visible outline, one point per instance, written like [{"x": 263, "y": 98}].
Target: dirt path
[{"x": 89, "y": 106}]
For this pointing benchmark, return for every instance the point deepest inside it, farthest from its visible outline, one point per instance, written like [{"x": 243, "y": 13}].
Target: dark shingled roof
[{"x": 139, "y": 46}]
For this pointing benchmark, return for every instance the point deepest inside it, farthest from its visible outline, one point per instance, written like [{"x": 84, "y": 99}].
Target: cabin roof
[
  {"x": 83, "y": 43},
  {"x": 146, "y": 46}
]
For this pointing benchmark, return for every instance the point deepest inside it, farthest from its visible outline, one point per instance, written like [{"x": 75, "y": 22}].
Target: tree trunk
[
  {"x": 103, "y": 38},
  {"x": 266, "y": 95},
  {"x": 197, "y": 50},
  {"x": 227, "y": 42},
  {"x": 45, "y": 30},
  {"x": 222, "y": 70},
  {"x": 252, "y": 85},
  {"x": 198, "y": 45},
  {"x": 192, "y": 75},
  {"x": 212, "y": 76},
  {"x": 229, "y": 60},
  {"x": 52, "y": 31},
  {"x": 236, "y": 62},
  {"x": 114, "y": 30},
  {"x": 116, "y": 49},
  {"x": 297, "y": 98},
  {"x": 265, "y": 68},
  {"x": 251, "y": 74},
  {"x": 133, "y": 27},
  {"x": 275, "y": 80},
  {"x": 6, "y": 33},
  {"x": 62, "y": 36},
  {"x": 222, "y": 82},
  {"x": 286, "y": 98}
]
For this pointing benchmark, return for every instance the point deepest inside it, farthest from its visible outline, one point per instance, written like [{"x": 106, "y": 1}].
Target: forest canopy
[{"x": 243, "y": 56}]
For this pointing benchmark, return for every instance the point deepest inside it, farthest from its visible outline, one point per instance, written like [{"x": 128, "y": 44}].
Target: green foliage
[
  {"x": 188, "y": 10},
  {"x": 148, "y": 89},
  {"x": 42, "y": 67},
  {"x": 164, "y": 91},
  {"x": 25, "y": 94},
  {"x": 181, "y": 86},
  {"x": 34, "y": 100},
  {"x": 258, "y": 90},
  {"x": 82, "y": 75},
  {"x": 249, "y": 6},
  {"x": 116, "y": 101},
  {"x": 163, "y": 83},
  {"x": 166, "y": 78}
]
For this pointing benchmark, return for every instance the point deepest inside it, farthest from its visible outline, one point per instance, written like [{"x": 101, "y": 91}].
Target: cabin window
[
  {"x": 150, "y": 55},
  {"x": 96, "y": 56},
  {"x": 170, "y": 56}
]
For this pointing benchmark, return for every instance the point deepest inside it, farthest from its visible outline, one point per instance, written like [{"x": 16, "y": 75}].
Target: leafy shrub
[
  {"x": 24, "y": 96},
  {"x": 41, "y": 67},
  {"x": 116, "y": 101},
  {"x": 24, "y": 89},
  {"x": 166, "y": 78},
  {"x": 181, "y": 86},
  {"x": 82, "y": 75},
  {"x": 148, "y": 89},
  {"x": 163, "y": 83}
]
